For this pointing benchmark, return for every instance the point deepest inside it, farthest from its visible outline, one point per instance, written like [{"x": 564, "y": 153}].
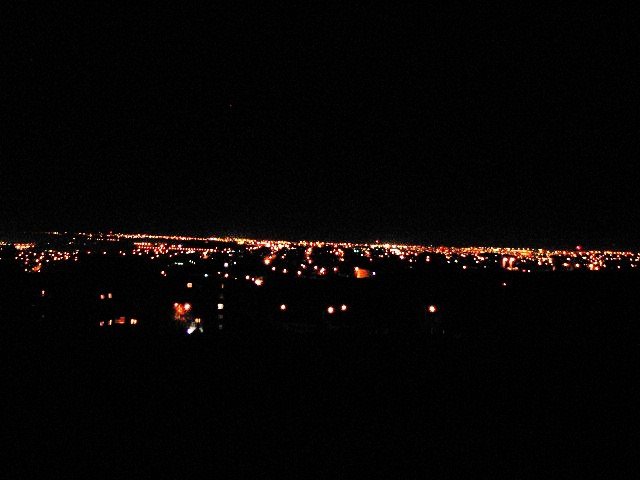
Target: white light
[
  {"x": 330, "y": 310},
  {"x": 190, "y": 330},
  {"x": 283, "y": 307},
  {"x": 343, "y": 308},
  {"x": 220, "y": 306},
  {"x": 432, "y": 309}
]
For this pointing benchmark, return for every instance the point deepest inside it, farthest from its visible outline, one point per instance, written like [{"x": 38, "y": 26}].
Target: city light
[
  {"x": 330, "y": 310},
  {"x": 432, "y": 309}
]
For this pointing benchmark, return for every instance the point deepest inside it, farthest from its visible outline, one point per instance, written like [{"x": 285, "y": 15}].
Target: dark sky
[{"x": 459, "y": 126}]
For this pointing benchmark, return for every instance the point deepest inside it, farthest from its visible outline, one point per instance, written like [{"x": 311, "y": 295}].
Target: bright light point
[
  {"x": 190, "y": 330},
  {"x": 187, "y": 307},
  {"x": 330, "y": 310},
  {"x": 343, "y": 308},
  {"x": 283, "y": 307},
  {"x": 432, "y": 309},
  {"x": 189, "y": 285},
  {"x": 226, "y": 265},
  {"x": 258, "y": 282},
  {"x": 221, "y": 306}
]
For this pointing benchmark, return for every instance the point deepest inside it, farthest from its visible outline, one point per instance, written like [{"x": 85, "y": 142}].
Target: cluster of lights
[
  {"x": 118, "y": 321},
  {"x": 466, "y": 258}
]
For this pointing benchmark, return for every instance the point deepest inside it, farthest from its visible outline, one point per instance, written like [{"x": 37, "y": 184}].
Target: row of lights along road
[{"x": 330, "y": 309}]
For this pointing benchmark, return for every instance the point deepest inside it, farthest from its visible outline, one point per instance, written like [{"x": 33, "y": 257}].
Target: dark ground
[{"x": 540, "y": 387}]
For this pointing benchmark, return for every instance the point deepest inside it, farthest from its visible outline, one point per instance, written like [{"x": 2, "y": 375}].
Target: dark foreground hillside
[
  {"x": 538, "y": 378},
  {"x": 302, "y": 404}
]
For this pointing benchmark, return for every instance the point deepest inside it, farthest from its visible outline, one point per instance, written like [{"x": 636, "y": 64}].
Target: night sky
[{"x": 464, "y": 126}]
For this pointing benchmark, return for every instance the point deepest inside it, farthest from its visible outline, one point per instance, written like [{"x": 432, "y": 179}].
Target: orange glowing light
[{"x": 362, "y": 272}]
